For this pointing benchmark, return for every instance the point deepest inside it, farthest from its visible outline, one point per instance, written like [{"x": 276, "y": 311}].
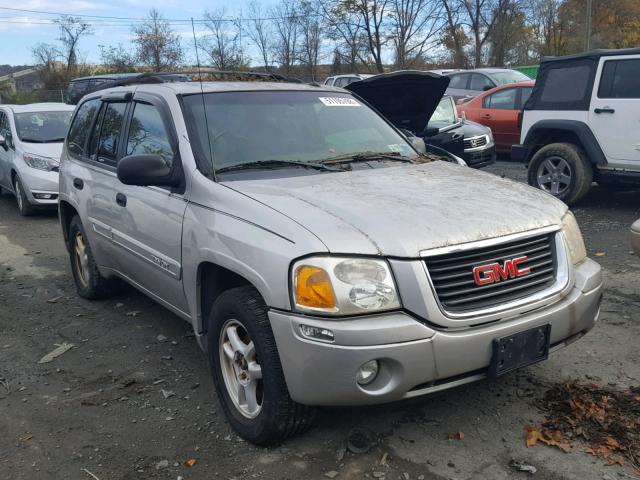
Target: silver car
[
  {"x": 319, "y": 258},
  {"x": 469, "y": 83},
  {"x": 31, "y": 138}
]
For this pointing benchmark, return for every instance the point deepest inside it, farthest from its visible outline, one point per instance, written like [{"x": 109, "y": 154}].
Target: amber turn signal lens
[{"x": 313, "y": 288}]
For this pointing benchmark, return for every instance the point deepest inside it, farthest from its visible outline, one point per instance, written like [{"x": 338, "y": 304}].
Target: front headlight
[
  {"x": 574, "y": 239},
  {"x": 41, "y": 163},
  {"x": 343, "y": 286}
]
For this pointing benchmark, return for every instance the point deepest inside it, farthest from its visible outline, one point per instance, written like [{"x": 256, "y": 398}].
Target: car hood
[
  {"x": 406, "y": 99},
  {"x": 472, "y": 129},
  {"x": 51, "y": 150},
  {"x": 401, "y": 210}
]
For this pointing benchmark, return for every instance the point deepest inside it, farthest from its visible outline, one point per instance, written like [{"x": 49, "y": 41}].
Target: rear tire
[
  {"x": 240, "y": 344},
  {"x": 24, "y": 207},
  {"x": 89, "y": 283},
  {"x": 563, "y": 170}
]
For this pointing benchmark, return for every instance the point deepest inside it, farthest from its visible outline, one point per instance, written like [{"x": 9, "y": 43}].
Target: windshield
[
  {"x": 298, "y": 126},
  {"x": 42, "y": 127},
  {"x": 445, "y": 114},
  {"x": 510, "y": 76}
]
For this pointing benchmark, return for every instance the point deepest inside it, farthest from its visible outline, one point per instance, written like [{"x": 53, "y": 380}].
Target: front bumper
[
  {"x": 480, "y": 157},
  {"x": 40, "y": 186},
  {"x": 635, "y": 237},
  {"x": 415, "y": 358}
]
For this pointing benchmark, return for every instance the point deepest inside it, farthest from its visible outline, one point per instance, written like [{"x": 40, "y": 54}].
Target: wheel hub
[
  {"x": 241, "y": 372},
  {"x": 554, "y": 175}
]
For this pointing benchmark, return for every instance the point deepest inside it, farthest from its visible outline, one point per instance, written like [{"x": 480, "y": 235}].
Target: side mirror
[
  {"x": 146, "y": 170},
  {"x": 3, "y": 143}
]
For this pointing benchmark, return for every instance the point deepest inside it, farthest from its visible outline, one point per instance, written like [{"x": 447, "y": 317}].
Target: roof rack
[{"x": 204, "y": 74}]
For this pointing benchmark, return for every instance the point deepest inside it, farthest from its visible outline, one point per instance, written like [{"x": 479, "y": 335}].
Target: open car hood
[{"x": 407, "y": 99}]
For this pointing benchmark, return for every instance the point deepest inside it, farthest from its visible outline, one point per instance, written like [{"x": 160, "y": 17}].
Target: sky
[{"x": 20, "y": 30}]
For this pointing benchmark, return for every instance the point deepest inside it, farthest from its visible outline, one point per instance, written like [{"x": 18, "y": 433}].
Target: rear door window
[
  {"x": 80, "y": 128},
  {"x": 480, "y": 82},
  {"x": 459, "y": 81},
  {"x": 110, "y": 133},
  {"x": 620, "y": 79},
  {"x": 502, "y": 100},
  {"x": 148, "y": 134},
  {"x": 525, "y": 93}
]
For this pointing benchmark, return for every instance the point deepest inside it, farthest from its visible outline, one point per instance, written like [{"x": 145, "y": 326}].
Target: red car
[{"x": 498, "y": 109}]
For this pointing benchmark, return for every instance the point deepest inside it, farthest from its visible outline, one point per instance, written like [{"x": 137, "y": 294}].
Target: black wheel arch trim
[{"x": 587, "y": 139}]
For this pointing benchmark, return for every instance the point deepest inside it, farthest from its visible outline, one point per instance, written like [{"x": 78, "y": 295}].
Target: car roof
[
  {"x": 490, "y": 70},
  {"x": 106, "y": 76},
  {"x": 595, "y": 54},
  {"x": 40, "y": 107}
]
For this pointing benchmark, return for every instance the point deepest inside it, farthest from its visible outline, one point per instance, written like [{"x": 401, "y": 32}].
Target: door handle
[
  {"x": 121, "y": 199},
  {"x": 604, "y": 110},
  {"x": 78, "y": 183},
  {"x": 487, "y": 116}
]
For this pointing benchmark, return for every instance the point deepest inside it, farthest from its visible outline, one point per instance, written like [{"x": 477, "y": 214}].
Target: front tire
[
  {"x": 247, "y": 372},
  {"x": 24, "y": 207},
  {"x": 562, "y": 170},
  {"x": 89, "y": 283}
]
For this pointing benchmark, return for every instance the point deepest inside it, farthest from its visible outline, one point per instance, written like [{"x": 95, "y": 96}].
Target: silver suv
[{"x": 320, "y": 259}]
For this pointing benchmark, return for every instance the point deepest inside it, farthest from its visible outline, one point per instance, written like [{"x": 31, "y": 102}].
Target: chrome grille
[
  {"x": 475, "y": 142},
  {"x": 454, "y": 281}
]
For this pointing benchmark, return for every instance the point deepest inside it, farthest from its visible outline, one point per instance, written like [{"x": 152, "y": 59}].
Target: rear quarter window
[{"x": 564, "y": 85}]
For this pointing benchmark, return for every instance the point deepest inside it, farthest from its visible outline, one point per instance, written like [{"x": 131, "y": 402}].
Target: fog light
[
  {"x": 367, "y": 372},
  {"x": 317, "y": 333},
  {"x": 45, "y": 196}
]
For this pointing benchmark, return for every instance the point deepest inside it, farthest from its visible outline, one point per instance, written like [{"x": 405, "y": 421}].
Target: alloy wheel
[
  {"x": 18, "y": 190},
  {"x": 241, "y": 371},
  {"x": 82, "y": 259},
  {"x": 554, "y": 175}
]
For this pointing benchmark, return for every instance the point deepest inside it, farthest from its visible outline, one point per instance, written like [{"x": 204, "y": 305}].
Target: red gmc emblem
[{"x": 494, "y": 272}]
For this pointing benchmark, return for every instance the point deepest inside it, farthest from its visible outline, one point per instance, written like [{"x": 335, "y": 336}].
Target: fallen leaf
[
  {"x": 56, "y": 352},
  {"x": 532, "y": 436},
  {"x": 190, "y": 462},
  {"x": 25, "y": 437},
  {"x": 461, "y": 435},
  {"x": 600, "y": 254}
]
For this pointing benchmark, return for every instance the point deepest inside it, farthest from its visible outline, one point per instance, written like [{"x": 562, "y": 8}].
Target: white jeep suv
[{"x": 581, "y": 123}]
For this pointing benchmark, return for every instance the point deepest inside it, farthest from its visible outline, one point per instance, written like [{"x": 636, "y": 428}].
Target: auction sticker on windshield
[{"x": 339, "y": 102}]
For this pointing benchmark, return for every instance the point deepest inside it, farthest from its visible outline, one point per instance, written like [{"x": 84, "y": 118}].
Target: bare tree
[
  {"x": 310, "y": 37},
  {"x": 116, "y": 59},
  {"x": 416, "y": 26},
  {"x": 157, "y": 45},
  {"x": 346, "y": 30},
  {"x": 454, "y": 36},
  {"x": 287, "y": 30},
  {"x": 260, "y": 32},
  {"x": 71, "y": 30},
  {"x": 481, "y": 19},
  {"x": 46, "y": 55},
  {"x": 222, "y": 45}
]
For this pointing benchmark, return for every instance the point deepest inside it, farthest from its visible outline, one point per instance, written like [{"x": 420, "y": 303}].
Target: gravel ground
[{"x": 132, "y": 399}]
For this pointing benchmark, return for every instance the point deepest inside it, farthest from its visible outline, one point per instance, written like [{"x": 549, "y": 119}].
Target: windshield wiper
[
  {"x": 53, "y": 140},
  {"x": 275, "y": 164},
  {"x": 32, "y": 140},
  {"x": 366, "y": 156}
]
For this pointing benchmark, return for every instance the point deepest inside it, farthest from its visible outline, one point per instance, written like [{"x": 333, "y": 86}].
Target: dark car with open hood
[{"x": 415, "y": 102}]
